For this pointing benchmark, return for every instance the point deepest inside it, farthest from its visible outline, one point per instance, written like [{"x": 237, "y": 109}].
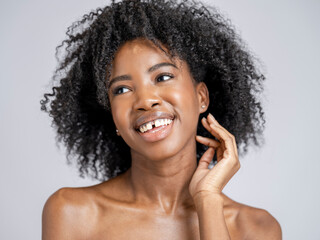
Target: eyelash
[
  {"x": 164, "y": 75},
  {"x": 115, "y": 91}
]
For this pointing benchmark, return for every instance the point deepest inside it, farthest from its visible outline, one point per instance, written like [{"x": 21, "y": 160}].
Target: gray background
[{"x": 282, "y": 177}]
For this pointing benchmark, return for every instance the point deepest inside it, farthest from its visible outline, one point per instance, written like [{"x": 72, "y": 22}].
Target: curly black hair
[{"x": 199, "y": 35}]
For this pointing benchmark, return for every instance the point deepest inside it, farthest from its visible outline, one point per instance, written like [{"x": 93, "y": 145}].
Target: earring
[
  {"x": 117, "y": 131},
  {"x": 203, "y": 106}
]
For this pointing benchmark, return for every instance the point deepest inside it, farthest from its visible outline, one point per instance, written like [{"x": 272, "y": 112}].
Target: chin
[{"x": 163, "y": 150}]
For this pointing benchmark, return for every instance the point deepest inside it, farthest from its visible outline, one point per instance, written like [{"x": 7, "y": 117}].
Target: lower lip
[{"x": 156, "y": 134}]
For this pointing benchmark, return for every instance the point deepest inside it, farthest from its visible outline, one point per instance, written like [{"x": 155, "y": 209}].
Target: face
[{"x": 148, "y": 90}]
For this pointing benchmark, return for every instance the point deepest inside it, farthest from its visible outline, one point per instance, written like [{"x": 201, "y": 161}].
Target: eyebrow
[{"x": 151, "y": 69}]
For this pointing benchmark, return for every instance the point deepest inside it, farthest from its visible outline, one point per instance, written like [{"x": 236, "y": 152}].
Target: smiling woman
[
  {"x": 134, "y": 100},
  {"x": 157, "y": 88}
]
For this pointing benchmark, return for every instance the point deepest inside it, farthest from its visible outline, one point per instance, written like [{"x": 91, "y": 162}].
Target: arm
[
  {"x": 206, "y": 184},
  {"x": 211, "y": 218}
]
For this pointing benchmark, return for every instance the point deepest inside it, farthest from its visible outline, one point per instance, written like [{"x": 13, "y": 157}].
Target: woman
[{"x": 137, "y": 77}]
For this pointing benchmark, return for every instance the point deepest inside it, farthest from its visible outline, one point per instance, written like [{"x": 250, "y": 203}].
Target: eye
[
  {"x": 120, "y": 90},
  {"x": 164, "y": 77}
]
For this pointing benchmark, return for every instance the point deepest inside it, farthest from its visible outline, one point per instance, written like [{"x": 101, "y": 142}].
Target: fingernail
[{"x": 212, "y": 117}]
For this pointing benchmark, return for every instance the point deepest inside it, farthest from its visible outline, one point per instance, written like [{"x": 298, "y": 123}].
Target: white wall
[{"x": 282, "y": 177}]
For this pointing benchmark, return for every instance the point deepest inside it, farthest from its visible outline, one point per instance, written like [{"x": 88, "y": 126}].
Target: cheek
[
  {"x": 184, "y": 97},
  {"x": 185, "y": 102}
]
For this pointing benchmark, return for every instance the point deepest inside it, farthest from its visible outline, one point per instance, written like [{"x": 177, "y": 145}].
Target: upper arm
[{"x": 61, "y": 217}]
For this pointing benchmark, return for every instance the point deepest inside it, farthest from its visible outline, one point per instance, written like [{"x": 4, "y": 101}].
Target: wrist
[{"x": 203, "y": 199}]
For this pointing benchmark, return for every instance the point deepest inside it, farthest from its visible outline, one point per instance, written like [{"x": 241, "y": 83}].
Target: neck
[{"x": 164, "y": 184}]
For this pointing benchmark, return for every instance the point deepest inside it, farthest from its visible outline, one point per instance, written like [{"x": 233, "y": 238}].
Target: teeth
[
  {"x": 159, "y": 122},
  {"x": 149, "y": 126}
]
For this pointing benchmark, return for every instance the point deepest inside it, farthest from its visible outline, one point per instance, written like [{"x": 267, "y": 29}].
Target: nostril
[
  {"x": 154, "y": 104},
  {"x": 143, "y": 104}
]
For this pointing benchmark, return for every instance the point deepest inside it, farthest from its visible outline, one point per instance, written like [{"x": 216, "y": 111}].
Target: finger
[
  {"x": 230, "y": 151},
  {"x": 219, "y": 132},
  {"x": 206, "y": 124},
  {"x": 228, "y": 141},
  {"x": 206, "y": 158},
  {"x": 220, "y": 152},
  {"x": 210, "y": 129},
  {"x": 207, "y": 141},
  {"x": 216, "y": 131},
  {"x": 212, "y": 120}
]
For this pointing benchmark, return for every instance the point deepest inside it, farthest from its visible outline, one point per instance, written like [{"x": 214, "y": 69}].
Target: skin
[{"x": 164, "y": 195}]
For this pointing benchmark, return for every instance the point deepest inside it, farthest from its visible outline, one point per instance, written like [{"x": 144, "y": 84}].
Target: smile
[
  {"x": 155, "y": 130},
  {"x": 152, "y": 124}
]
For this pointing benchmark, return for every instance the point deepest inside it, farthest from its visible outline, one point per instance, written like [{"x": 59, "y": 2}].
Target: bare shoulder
[
  {"x": 260, "y": 223},
  {"x": 255, "y": 223},
  {"x": 76, "y": 213},
  {"x": 69, "y": 213}
]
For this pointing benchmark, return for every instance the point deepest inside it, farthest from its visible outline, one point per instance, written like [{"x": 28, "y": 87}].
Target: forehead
[
  {"x": 137, "y": 47},
  {"x": 140, "y": 53}
]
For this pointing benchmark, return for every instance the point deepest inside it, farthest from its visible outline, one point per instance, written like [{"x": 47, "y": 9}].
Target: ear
[{"x": 203, "y": 96}]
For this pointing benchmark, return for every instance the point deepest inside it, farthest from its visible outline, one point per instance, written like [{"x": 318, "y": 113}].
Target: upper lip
[{"x": 151, "y": 117}]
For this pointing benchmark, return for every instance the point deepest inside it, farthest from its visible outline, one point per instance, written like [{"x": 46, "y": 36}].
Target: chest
[{"x": 129, "y": 225}]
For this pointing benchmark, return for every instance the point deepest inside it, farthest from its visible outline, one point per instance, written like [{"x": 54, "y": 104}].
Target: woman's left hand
[{"x": 212, "y": 181}]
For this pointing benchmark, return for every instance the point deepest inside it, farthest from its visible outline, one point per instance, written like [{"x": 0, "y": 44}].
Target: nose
[{"x": 146, "y": 98}]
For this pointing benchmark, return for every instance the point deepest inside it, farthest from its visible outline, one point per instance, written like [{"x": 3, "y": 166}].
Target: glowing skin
[
  {"x": 175, "y": 94},
  {"x": 164, "y": 195}
]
